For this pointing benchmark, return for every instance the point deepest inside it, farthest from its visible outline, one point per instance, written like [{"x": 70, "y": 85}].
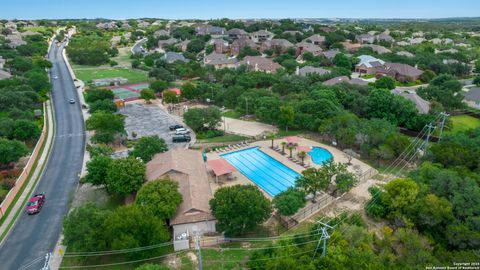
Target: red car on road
[{"x": 35, "y": 203}]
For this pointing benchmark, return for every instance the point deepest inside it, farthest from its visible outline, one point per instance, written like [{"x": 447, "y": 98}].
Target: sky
[{"x": 236, "y": 9}]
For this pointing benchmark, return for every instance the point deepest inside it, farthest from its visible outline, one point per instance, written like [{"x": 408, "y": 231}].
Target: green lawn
[
  {"x": 463, "y": 122},
  {"x": 133, "y": 76},
  {"x": 232, "y": 114}
]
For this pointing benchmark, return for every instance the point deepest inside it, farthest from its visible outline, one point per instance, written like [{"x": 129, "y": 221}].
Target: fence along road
[{"x": 33, "y": 236}]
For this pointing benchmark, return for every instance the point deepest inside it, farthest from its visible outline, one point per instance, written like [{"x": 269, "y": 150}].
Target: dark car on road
[
  {"x": 174, "y": 127},
  {"x": 35, "y": 204},
  {"x": 181, "y": 138}
]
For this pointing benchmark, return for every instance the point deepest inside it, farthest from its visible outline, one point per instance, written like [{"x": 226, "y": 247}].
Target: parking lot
[{"x": 147, "y": 120}]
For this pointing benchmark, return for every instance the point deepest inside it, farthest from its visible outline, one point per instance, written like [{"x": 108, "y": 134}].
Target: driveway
[{"x": 148, "y": 120}]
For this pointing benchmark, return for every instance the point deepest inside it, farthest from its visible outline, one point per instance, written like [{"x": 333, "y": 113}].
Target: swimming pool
[
  {"x": 268, "y": 173},
  {"x": 320, "y": 155}
]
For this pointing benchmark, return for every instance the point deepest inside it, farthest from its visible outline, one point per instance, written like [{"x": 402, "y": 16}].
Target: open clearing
[{"x": 464, "y": 122}]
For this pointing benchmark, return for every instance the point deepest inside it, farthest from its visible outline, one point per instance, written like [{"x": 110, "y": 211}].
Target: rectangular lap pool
[{"x": 268, "y": 173}]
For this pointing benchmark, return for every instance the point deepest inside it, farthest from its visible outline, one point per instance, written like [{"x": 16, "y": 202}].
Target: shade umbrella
[
  {"x": 303, "y": 148},
  {"x": 292, "y": 139}
]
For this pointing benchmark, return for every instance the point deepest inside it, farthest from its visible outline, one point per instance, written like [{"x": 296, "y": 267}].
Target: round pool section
[{"x": 320, "y": 155}]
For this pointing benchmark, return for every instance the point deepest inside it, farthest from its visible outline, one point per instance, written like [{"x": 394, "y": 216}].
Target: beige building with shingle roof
[{"x": 187, "y": 168}]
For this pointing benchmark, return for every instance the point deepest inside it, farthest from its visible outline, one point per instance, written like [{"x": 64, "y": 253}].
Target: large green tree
[
  {"x": 239, "y": 209},
  {"x": 146, "y": 147},
  {"x": 202, "y": 118},
  {"x": 160, "y": 197},
  {"x": 289, "y": 201},
  {"x": 125, "y": 176},
  {"x": 97, "y": 170},
  {"x": 106, "y": 125},
  {"x": 313, "y": 180},
  {"x": 84, "y": 228},
  {"x": 11, "y": 150}
]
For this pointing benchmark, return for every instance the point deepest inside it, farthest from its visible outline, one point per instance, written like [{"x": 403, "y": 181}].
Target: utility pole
[
  {"x": 197, "y": 240},
  {"x": 323, "y": 238},
  {"x": 442, "y": 125},
  {"x": 46, "y": 265},
  {"x": 431, "y": 128}
]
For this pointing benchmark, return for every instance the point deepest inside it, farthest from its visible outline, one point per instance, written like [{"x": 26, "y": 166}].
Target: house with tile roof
[
  {"x": 219, "y": 61},
  {"x": 261, "y": 36},
  {"x": 315, "y": 39},
  {"x": 421, "y": 104},
  {"x": 187, "y": 168},
  {"x": 278, "y": 45},
  {"x": 401, "y": 72},
  {"x": 241, "y": 43},
  {"x": 258, "y": 63},
  {"x": 304, "y": 71},
  {"x": 368, "y": 64}
]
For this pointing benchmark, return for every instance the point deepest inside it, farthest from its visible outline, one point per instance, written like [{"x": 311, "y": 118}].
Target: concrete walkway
[{"x": 30, "y": 186}]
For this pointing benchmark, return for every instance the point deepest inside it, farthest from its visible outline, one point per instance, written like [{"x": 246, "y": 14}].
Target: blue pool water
[
  {"x": 268, "y": 173},
  {"x": 320, "y": 155}
]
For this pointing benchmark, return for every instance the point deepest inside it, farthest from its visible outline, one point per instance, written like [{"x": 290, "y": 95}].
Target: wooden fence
[{"x": 27, "y": 169}]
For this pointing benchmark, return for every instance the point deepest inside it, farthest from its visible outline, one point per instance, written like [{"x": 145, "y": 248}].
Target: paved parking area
[{"x": 147, "y": 120}]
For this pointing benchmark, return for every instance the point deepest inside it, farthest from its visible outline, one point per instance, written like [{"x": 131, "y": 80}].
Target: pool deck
[{"x": 240, "y": 179}]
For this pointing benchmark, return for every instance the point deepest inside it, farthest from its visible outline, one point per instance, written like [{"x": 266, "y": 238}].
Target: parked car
[
  {"x": 35, "y": 204},
  {"x": 71, "y": 101},
  {"x": 181, "y": 138},
  {"x": 181, "y": 131},
  {"x": 174, "y": 127}
]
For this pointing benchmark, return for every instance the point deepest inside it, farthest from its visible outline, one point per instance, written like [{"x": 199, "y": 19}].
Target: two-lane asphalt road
[{"x": 33, "y": 236}]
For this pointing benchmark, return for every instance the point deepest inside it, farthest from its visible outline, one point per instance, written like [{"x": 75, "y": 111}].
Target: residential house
[
  {"x": 330, "y": 54},
  {"x": 418, "y": 34},
  {"x": 182, "y": 45},
  {"x": 406, "y": 54},
  {"x": 472, "y": 97},
  {"x": 241, "y": 43},
  {"x": 415, "y": 41},
  {"x": 205, "y": 29},
  {"x": 11, "y": 26},
  {"x": 315, "y": 39},
  {"x": 4, "y": 74},
  {"x": 401, "y": 72},
  {"x": 107, "y": 25},
  {"x": 304, "y": 71},
  {"x": 258, "y": 63},
  {"x": 219, "y": 45},
  {"x": 193, "y": 216},
  {"x": 15, "y": 41},
  {"x": 351, "y": 47},
  {"x": 385, "y": 36},
  {"x": 143, "y": 24},
  {"x": 236, "y": 33},
  {"x": 115, "y": 40},
  {"x": 436, "y": 41},
  {"x": 219, "y": 61},
  {"x": 166, "y": 42},
  {"x": 421, "y": 104},
  {"x": 161, "y": 33},
  {"x": 127, "y": 35},
  {"x": 368, "y": 64},
  {"x": 303, "y": 47},
  {"x": 451, "y": 50},
  {"x": 261, "y": 36},
  {"x": 277, "y": 45},
  {"x": 172, "y": 57},
  {"x": 345, "y": 79},
  {"x": 365, "y": 38},
  {"x": 125, "y": 25},
  {"x": 403, "y": 43},
  {"x": 377, "y": 48}
]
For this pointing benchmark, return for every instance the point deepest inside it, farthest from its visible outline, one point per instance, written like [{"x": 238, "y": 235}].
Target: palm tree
[
  {"x": 283, "y": 147},
  {"x": 290, "y": 147},
  {"x": 272, "y": 136},
  {"x": 302, "y": 155}
]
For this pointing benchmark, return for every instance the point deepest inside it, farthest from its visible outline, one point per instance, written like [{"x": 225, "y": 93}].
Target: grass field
[
  {"x": 133, "y": 76},
  {"x": 463, "y": 122}
]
